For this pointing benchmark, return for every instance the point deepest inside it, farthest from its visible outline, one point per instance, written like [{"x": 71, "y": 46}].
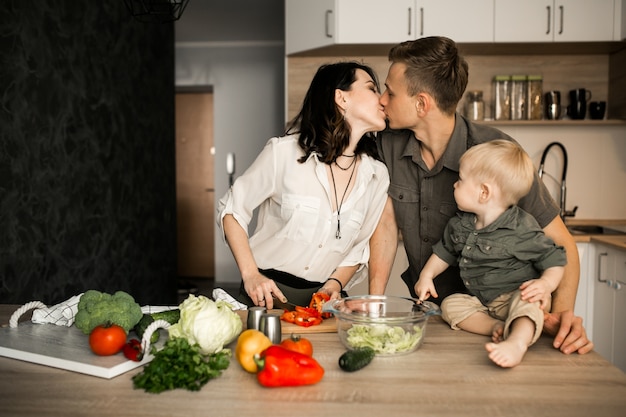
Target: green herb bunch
[{"x": 181, "y": 365}]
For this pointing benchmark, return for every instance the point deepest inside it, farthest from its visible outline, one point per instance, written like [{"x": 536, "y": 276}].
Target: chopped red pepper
[
  {"x": 302, "y": 316},
  {"x": 280, "y": 367},
  {"x": 133, "y": 351},
  {"x": 317, "y": 302}
]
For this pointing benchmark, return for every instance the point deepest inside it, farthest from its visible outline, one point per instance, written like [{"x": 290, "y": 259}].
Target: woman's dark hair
[{"x": 320, "y": 123}]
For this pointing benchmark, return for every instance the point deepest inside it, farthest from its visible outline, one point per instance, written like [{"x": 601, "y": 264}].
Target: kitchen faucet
[{"x": 564, "y": 212}]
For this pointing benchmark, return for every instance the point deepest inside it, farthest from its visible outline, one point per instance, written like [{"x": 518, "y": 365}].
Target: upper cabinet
[
  {"x": 461, "y": 20},
  {"x": 554, "y": 20},
  {"x": 312, "y": 24}
]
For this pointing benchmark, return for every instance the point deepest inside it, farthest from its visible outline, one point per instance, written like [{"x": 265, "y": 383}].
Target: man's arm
[
  {"x": 570, "y": 335},
  {"x": 564, "y": 298},
  {"x": 383, "y": 247}
]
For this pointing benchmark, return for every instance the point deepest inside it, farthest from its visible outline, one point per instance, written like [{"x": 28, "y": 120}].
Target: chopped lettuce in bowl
[{"x": 384, "y": 339}]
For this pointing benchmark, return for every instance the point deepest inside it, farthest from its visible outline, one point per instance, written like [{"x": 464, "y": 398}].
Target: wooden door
[{"x": 195, "y": 193}]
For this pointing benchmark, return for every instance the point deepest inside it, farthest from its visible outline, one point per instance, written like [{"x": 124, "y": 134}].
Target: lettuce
[
  {"x": 210, "y": 324},
  {"x": 382, "y": 338}
]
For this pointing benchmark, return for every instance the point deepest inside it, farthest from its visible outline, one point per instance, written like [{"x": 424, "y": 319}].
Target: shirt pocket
[
  {"x": 300, "y": 215},
  {"x": 350, "y": 228},
  {"x": 491, "y": 251},
  {"x": 405, "y": 205}
]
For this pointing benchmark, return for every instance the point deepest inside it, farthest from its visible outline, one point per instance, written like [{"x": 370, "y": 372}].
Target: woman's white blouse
[{"x": 296, "y": 225}]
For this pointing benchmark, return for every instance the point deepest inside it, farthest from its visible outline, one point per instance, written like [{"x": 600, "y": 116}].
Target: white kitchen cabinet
[
  {"x": 584, "y": 297},
  {"x": 314, "y": 24},
  {"x": 460, "y": 20},
  {"x": 609, "y": 306},
  {"x": 554, "y": 20}
]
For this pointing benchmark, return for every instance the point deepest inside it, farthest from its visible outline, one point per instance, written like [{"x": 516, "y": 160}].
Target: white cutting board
[{"x": 62, "y": 347}]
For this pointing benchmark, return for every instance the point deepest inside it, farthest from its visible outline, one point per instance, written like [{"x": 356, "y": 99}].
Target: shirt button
[
  {"x": 306, "y": 268},
  {"x": 320, "y": 246},
  {"x": 467, "y": 284},
  {"x": 465, "y": 260},
  {"x": 468, "y": 247},
  {"x": 425, "y": 208},
  {"x": 426, "y": 239},
  {"x": 400, "y": 197}
]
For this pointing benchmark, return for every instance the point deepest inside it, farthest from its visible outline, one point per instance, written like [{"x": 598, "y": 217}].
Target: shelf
[{"x": 564, "y": 122}]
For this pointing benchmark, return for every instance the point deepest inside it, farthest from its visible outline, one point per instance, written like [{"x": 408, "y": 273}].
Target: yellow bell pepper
[{"x": 250, "y": 343}]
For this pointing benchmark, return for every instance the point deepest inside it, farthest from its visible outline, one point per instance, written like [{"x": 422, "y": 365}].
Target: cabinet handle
[
  {"x": 328, "y": 34},
  {"x": 421, "y": 21},
  {"x": 600, "y": 255},
  {"x": 410, "y": 13},
  {"x": 549, "y": 9},
  {"x": 562, "y": 10}
]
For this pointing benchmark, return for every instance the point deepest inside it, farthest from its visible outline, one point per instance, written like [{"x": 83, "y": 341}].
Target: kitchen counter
[
  {"x": 619, "y": 241},
  {"x": 450, "y": 375}
]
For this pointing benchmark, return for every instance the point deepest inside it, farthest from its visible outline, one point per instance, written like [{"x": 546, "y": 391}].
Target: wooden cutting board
[
  {"x": 62, "y": 347},
  {"x": 327, "y": 326}
]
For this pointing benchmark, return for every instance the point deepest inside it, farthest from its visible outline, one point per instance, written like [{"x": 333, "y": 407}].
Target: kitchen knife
[{"x": 284, "y": 305}]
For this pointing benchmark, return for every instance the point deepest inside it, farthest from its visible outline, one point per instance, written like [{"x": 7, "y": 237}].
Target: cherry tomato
[
  {"x": 133, "y": 351},
  {"x": 107, "y": 340},
  {"x": 298, "y": 344}
]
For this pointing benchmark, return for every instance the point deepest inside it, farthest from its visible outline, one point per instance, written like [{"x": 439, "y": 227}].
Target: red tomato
[
  {"x": 298, "y": 344},
  {"x": 107, "y": 340}
]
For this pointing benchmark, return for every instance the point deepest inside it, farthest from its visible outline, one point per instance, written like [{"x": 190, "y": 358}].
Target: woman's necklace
[
  {"x": 339, "y": 204},
  {"x": 351, "y": 163}
]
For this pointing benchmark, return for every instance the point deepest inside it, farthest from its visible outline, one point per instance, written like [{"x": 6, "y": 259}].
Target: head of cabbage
[{"x": 210, "y": 324}]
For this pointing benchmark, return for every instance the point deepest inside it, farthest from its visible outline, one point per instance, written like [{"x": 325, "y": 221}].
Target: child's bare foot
[
  {"x": 497, "y": 332},
  {"x": 506, "y": 354}
]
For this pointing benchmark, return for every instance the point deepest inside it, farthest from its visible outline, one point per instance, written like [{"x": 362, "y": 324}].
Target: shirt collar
[
  {"x": 456, "y": 147},
  {"x": 507, "y": 220}
]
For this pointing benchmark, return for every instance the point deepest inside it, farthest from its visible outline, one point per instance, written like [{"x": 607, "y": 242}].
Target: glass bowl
[{"x": 390, "y": 325}]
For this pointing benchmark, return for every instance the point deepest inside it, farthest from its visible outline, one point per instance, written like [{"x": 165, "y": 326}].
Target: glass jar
[
  {"x": 502, "y": 97},
  {"x": 535, "y": 97},
  {"x": 518, "y": 97},
  {"x": 475, "y": 106}
]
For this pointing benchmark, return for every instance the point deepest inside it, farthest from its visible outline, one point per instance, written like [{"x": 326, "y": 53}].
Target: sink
[{"x": 595, "y": 230}]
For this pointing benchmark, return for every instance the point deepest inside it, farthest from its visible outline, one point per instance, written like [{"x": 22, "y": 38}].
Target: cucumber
[
  {"x": 356, "y": 359},
  {"x": 170, "y": 316}
]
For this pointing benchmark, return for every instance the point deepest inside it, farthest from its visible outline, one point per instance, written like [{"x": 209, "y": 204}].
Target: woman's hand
[{"x": 261, "y": 290}]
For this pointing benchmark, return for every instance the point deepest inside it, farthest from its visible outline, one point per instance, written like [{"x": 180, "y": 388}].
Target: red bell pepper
[
  {"x": 302, "y": 316},
  {"x": 317, "y": 302},
  {"x": 280, "y": 367}
]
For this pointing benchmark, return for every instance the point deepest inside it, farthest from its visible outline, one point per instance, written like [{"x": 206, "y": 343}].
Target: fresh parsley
[{"x": 181, "y": 365}]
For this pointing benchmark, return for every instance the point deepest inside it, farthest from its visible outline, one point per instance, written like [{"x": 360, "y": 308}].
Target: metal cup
[
  {"x": 270, "y": 326},
  {"x": 254, "y": 317}
]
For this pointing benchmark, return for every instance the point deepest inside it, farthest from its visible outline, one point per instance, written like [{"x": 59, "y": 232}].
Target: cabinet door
[
  {"x": 460, "y": 20},
  {"x": 619, "y": 327},
  {"x": 583, "y": 20},
  {"x": 308, "y": 24},
  {"x": 374, "y": 21},
  {"x": 603, "y": 302},
  {"x": 524, "y": 21}
]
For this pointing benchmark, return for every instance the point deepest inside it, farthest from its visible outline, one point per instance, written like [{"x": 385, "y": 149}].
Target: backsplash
[{"x": 87, "y": 165}]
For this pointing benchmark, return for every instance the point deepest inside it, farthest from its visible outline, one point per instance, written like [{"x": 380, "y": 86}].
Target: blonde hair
[{"x": 505, "y": 163}]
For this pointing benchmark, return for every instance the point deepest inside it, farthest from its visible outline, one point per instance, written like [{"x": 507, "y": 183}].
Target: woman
[{"x": 320, "y": 190}]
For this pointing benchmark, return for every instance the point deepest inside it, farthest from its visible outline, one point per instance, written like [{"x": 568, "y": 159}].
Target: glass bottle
[
  {"x": 535, "y": 97},
  {"x": 475, "y": 107},
  {"x": 518, "y": 97},
  {"x": 502, "y": 97}
]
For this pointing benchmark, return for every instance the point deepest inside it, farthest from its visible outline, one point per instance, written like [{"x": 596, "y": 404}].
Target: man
[{"x": 421, "y": 148}]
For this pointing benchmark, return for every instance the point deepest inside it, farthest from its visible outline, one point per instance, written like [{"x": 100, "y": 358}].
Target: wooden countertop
[
  {"x": 450, "y": 375},
  {"x": 618, "y": 241}
]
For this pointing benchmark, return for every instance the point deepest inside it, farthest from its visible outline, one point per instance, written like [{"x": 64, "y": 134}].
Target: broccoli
[{"x": 96, "y": 308}]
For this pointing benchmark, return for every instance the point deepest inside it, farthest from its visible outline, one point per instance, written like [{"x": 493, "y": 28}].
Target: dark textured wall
[{"x": 87, "y": 164}]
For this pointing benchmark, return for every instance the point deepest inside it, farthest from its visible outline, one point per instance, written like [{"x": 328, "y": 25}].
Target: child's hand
[
  {"x": 425, "y": 288},
  {"x": 536, "y": 290}
]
